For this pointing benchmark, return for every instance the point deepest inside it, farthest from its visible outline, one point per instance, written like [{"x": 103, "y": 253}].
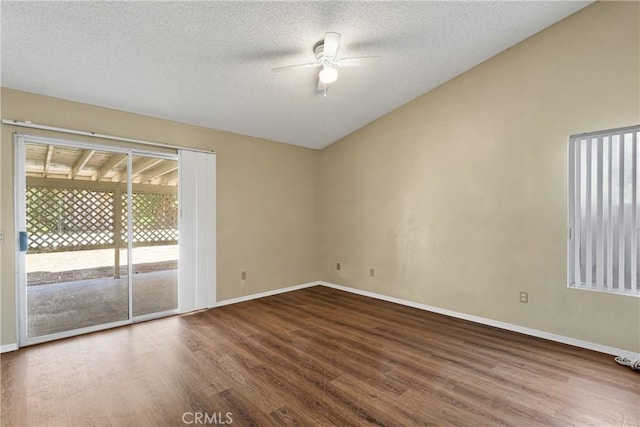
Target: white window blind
[
  {"x": 603, "y": 211},
  {"x": 197, "y": 231}
]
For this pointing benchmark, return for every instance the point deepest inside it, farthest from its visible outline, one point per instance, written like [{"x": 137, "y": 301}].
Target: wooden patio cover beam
[{"x": 82, "y": 160}]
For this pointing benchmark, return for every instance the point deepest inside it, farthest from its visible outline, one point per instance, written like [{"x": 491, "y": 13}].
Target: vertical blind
[
  {"x": 603, "y": 211},
  {"x": 197, "y": 227}
]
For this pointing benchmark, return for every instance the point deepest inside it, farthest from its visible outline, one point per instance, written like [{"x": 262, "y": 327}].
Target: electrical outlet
[
  {"x": 372, "y": 272},
  {"x": 243, "y": 275},
  {"x": 524, "y": 297},
  {"x": 338, "y": 266}
]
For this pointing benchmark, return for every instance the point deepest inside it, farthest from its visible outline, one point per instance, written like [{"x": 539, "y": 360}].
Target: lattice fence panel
[
  {"x": 155, "y": 218},
  {"x": 60, "y": 219}
]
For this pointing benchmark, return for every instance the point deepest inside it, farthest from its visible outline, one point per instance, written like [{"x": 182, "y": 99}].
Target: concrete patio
[{"x": 66, "y": 306}]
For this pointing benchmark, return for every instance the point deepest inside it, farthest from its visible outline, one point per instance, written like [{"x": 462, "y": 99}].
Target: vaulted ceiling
[{"x": 209, "y": 63}]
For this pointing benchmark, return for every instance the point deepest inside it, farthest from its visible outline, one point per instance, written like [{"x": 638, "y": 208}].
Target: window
[{"x": 603, "y": 211}]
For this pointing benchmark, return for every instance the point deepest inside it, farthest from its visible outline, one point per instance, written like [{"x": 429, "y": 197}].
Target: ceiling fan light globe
[{"x": 328, "y": 75}]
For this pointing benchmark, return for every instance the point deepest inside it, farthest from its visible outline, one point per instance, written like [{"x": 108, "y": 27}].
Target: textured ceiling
[{"x": 209, "y": 63}]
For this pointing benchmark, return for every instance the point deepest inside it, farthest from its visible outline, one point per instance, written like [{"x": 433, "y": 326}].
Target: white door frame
[{"x": 20, "y": 141}]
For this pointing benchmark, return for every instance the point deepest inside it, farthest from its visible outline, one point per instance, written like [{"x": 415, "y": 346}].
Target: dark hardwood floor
[{"x": 314, "y": 357}]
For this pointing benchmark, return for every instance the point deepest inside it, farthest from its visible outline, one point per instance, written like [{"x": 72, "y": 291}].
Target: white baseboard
[
  {"x": 476, "y": 319},
  {"x": 266, "y": 294},
  {"x": 490, "y": 322},
  {"x": 8, "y": 347}
]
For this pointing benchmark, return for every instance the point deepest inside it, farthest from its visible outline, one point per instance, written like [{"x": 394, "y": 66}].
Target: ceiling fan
[{"x": 326, "y": 52}]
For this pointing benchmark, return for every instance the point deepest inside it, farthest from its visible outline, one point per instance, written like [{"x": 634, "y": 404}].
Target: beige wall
[
  {"x": 266, "y": 195},
  {"x": 459, "y": 198}
]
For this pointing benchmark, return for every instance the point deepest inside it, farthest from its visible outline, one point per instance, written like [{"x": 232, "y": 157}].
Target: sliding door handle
[{"x": 23, "y": 241}]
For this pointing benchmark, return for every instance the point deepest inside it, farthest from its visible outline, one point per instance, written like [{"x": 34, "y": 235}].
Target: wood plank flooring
[{"x": 314, "y": 357}]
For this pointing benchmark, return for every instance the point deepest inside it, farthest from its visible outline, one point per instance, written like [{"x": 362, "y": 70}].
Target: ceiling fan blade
[
  {"x": 288, "y": 67},
  {"x": 356, "y": 61},
  {"x": 331, "y": 44}
]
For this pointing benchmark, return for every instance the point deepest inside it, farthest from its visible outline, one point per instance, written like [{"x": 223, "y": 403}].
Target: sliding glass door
[
  {"x": 154, "y": 226},
  {"x": 98, "y": 231},
  {"x": 70, "y": 262}
]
